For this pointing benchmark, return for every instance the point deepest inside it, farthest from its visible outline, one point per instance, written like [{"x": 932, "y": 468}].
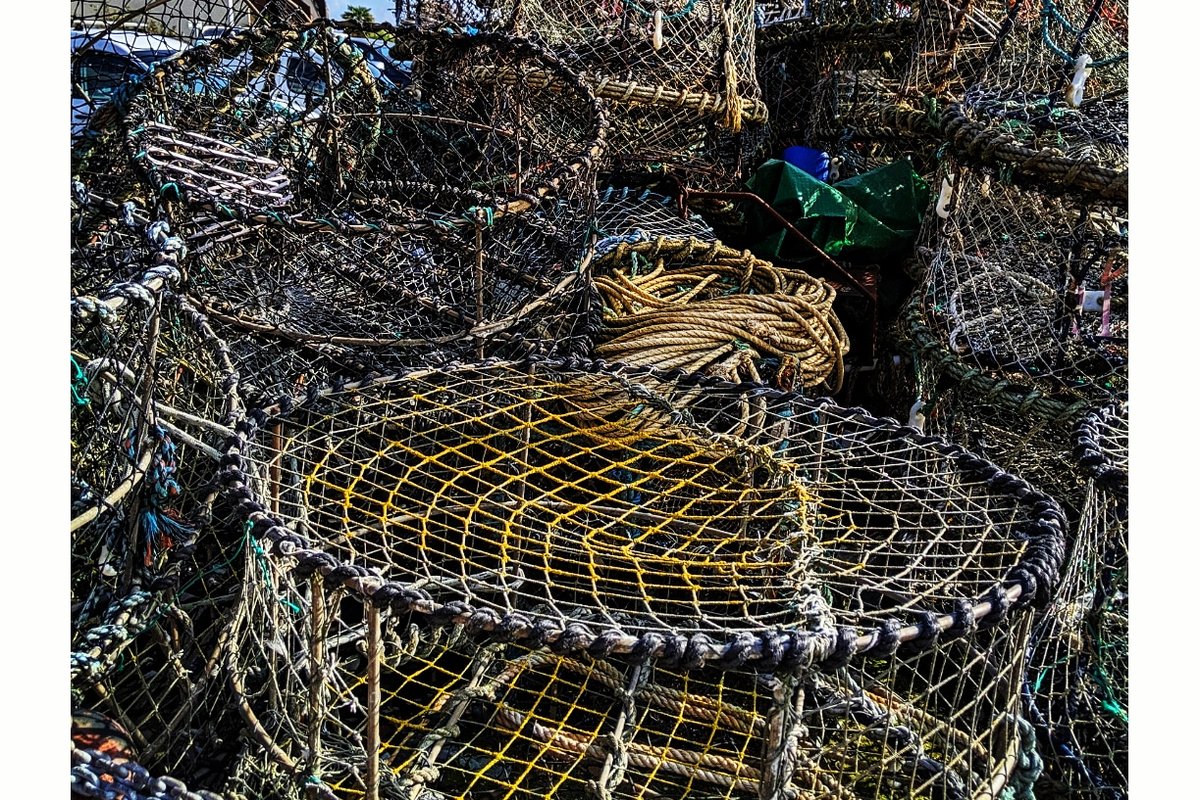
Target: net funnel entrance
[
  {"x": 374, "y": 219},
  {"x": 1024, "y": 296}
]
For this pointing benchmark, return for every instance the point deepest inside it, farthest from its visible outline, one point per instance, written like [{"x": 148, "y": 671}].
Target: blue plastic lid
[{"x": 814, "y": 162}]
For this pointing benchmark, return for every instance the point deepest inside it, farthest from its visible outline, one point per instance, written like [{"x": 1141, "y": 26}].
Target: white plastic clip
[
  {"x": 916, "y": 415},
  {"x": 835, "y": 170},
  {"x": 1083, "y": 68},
  {"x": 656, "y": 39},
  {"x": 1093, "y": 301},
  {"x": 943, "y": 201}
]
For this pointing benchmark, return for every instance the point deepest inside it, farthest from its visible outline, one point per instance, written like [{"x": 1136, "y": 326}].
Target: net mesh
[
  {"x": 678, "y": 76},
  {"x": 462, "y": 715},
  {"x": 369, "y": 223},
  {"x": 1024, "y": 297},
  {"x": 1077, "y": 686}
]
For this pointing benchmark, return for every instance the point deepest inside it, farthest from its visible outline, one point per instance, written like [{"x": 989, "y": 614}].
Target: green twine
[
  {"x": 261, "y": 555},
  {"x": 683, "y": 12},
  {"x": 79, "y": 384},
  {"x": 1050, "y": 11},
  {"x": 472, "y": 214}
]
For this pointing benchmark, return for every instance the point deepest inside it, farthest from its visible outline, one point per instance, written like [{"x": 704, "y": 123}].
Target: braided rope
[
  {"x": 95, "y": 774},
  {"x": 692, "y": 309}
]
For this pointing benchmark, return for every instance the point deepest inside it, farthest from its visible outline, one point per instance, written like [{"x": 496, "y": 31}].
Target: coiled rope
[{"x": 703, "y": 307}]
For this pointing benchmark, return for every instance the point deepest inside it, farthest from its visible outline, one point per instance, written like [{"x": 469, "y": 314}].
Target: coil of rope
[{"x": 704, "y": 307}]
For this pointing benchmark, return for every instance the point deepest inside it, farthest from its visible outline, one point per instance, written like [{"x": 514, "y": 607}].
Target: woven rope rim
[
  {"x": 1095, "y": 460},
  {"x": 569, "y": 170},
  {"x": 1030, "y": 581},
  {"x": 87, "y": 767}
]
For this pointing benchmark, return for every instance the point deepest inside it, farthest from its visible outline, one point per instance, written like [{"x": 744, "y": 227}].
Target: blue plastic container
[{"x": 814, "y": 162}]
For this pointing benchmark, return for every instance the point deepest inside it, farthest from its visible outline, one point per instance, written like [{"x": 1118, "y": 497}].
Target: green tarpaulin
[{"x": 864, "y": 218}]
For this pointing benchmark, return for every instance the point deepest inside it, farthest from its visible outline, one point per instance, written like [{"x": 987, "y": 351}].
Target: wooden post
[
  {"x": 374, "y": 656},
  {"x": 317, "y": 671}
]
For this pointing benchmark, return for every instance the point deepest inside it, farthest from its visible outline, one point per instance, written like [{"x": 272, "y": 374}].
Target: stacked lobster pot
[
  {"x": 1019, "y": 328},
  {"x": 154, "y": 394},
  {"x": 536, "y": 578},
  {"x": 1020, "y": 323},
  {"x": 1047, "y": 100},
  {"x": 858, "y": 80},
  {"x": 677, "y": 76},
  {"x": 347, "y": 222}
]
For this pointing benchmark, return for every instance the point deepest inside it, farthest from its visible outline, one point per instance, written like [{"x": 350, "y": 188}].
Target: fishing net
[
  {"x": 631, "y": 214},
  {"x": 1077, "y": 686},
  {"x": 539, "y": 577},
  {"x": 703, "y": 307},
  {"x": 367, "y": 221},
  {"x": 1024, "y": 296},
  {"x": 677, "y": 76},
  {"x": 1049, "y": 97},
  {"x": 856, "y": 79}
]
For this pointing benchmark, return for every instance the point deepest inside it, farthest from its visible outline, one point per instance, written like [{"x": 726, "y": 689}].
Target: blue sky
[{"x": 384, "y": 10}]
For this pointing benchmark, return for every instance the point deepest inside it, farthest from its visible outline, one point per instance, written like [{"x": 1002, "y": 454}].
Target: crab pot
[
  {"x": 1024, "y": 294},
  {"x": 1077, "y": 683},
  {"x": 153, "y": 396},
  {"x": 527, "y": 577},
  {"x": 851, "y": 79},
  {"x": 1048, "y": 97},
  {"x": 152, "y": 388},
  {"x": 381, "y": 221},
  {"x": 677, "y": 76},
  {"x": 701, "y": 306}
]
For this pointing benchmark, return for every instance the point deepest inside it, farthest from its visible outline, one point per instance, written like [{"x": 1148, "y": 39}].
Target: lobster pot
[
  {"x": 677, "y": 76},
  {"x": 1053, "y": 83},
  {"x": 526, "y": 577},
  {"x": 154, "y": 395},
  {"x": 1077, "y": 685},
  {"x": 440, "y": 211},
  {"x": 704, "y": 307},
  {"x": 1024, "y": 295},
  {"x": 851, "y": 79}
]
